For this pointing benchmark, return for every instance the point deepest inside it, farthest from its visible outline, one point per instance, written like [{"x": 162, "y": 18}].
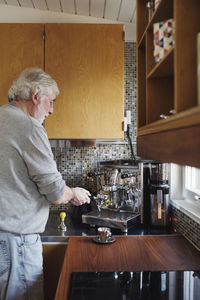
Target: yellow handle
[{"x": 62, "y": 216}]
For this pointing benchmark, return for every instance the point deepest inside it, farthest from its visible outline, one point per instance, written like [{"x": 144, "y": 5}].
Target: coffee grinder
[{"x": 159, "y": 194}]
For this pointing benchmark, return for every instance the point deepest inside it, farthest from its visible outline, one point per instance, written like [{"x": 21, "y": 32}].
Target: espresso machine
[{"x": 119, "y": 197}]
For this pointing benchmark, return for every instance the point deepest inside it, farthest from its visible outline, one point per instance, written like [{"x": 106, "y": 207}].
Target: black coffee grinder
[{"x": 159, "y": 194}]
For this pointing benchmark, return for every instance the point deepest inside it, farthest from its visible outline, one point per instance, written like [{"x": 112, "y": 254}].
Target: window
[
  {"x": 191, "y": 183},
  {"x": 184, "y": 182},
  {"x": 185, "y": 190}
]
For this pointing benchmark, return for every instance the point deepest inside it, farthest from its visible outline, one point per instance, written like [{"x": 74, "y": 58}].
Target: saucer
[{"x": 109, "y": 240}]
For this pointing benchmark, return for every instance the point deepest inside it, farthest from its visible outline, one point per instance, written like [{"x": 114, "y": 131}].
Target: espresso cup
[{"x": 104, "y": 234}]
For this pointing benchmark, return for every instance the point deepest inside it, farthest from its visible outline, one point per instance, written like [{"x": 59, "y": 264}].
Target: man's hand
[
  {"x": 80, "y": 196},
  {"x": 76, "y": 196}
]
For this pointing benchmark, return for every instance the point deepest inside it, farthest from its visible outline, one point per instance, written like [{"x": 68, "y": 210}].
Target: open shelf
[
  {"x": 170, "y": 84},
  {"x": 165, "y": 67},
  {"x": 164, "y": 11},
  {"x": 159, "y": 98},
  {"x": 184, "y": 119}
]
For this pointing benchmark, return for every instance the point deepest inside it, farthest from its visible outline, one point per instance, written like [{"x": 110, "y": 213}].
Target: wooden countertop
[{"x": 131, "y": 253}]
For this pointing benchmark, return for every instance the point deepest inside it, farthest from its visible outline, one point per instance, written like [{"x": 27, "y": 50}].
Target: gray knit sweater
[{"x": 29, "y": 178}]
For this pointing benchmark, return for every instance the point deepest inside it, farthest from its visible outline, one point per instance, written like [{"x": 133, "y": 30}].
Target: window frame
[
  {"x": 181, "y": 198},
  {"x": 190, "y": 190}
]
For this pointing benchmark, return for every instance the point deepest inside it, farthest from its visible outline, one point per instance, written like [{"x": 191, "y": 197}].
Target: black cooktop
[{"x": 162, "y": 285}]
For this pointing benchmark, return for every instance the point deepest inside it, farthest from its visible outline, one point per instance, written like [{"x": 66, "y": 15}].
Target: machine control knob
[
  {"x": 127, "y": 175},
  {"x": 102, "y": 196},
  {"x": 109, "y": 188}
]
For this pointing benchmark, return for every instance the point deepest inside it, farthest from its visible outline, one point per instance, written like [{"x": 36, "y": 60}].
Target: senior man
[{"x": 29, "y": 181}]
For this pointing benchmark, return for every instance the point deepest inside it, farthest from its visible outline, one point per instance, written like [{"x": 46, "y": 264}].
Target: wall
[
  {"x": 186, "y": 226},
  {"x": 73, "y": 163}
]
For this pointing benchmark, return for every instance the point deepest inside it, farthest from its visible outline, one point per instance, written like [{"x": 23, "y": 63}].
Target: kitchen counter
[
  {"x": 127, "y": 253},
  {"x": 78, "y": 229}
]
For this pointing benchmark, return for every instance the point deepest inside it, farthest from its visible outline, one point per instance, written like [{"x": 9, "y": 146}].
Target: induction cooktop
[{"x": 147, "y": 285}]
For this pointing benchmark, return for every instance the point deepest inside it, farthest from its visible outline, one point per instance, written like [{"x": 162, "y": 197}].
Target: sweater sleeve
[{"x": 41, "y": 165}]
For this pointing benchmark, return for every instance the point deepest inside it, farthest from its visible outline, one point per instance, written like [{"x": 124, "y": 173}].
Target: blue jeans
[{"x": 21, "y": 267}]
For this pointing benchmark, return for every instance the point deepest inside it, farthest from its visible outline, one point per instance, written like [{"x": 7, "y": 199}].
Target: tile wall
[
  {"x": 186, "y": 226},
  {"x": 73, "y": 163}
]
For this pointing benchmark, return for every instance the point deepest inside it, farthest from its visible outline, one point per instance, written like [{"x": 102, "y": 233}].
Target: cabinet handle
[
  {"x": 171, "y": 112},
  {"x": 150, "y": 7},
  {"x": 162, "y": 116}
]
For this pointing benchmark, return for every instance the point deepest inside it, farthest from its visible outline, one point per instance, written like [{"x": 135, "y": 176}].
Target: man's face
[{"x": 44, "y": 107}]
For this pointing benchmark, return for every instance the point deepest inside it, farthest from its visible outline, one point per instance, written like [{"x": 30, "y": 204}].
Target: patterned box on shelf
[{"x": 163, "y": 38}]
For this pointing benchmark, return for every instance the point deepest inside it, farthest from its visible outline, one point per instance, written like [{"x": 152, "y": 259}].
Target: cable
[{"x": 131, "y": 146}]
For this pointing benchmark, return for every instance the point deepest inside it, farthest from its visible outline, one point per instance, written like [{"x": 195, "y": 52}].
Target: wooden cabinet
[
  {"x": 170, "y": 84},
  {"x": 22, "y": 46},
  {"x": 53, "y": 257},
  {"x": 87, "y": 61}
]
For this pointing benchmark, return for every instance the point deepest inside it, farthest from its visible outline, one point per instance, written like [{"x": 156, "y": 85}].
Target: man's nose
[{"x": 51, "y": 111}]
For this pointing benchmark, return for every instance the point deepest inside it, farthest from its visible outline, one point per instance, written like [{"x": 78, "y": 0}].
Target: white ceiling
[{"x": 123, "y": 11}]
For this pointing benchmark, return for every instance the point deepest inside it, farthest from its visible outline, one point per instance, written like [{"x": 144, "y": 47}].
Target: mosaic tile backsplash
[
  {"x": 186, "y": 226},
  {"x": 74, "y": 163}
]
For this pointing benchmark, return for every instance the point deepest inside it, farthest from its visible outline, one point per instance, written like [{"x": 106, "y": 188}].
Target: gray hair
[{"x": 30, "y": 81}]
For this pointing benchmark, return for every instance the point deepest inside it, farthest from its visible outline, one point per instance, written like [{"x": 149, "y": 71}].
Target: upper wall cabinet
[
  {"x": 21, "y": 46},
  {"x": 168, "y": 113},
  {"x": 87, "y": 61}
]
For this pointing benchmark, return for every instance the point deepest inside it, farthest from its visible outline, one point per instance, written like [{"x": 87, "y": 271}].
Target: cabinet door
[
  {"x": 87, "y": 61},
  {"x": 21, "y": 46},
  {"x": 53, "y": 257}
]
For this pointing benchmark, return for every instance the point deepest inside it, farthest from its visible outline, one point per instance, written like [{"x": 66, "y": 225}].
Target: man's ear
[{"x": 34, "y": 98}]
